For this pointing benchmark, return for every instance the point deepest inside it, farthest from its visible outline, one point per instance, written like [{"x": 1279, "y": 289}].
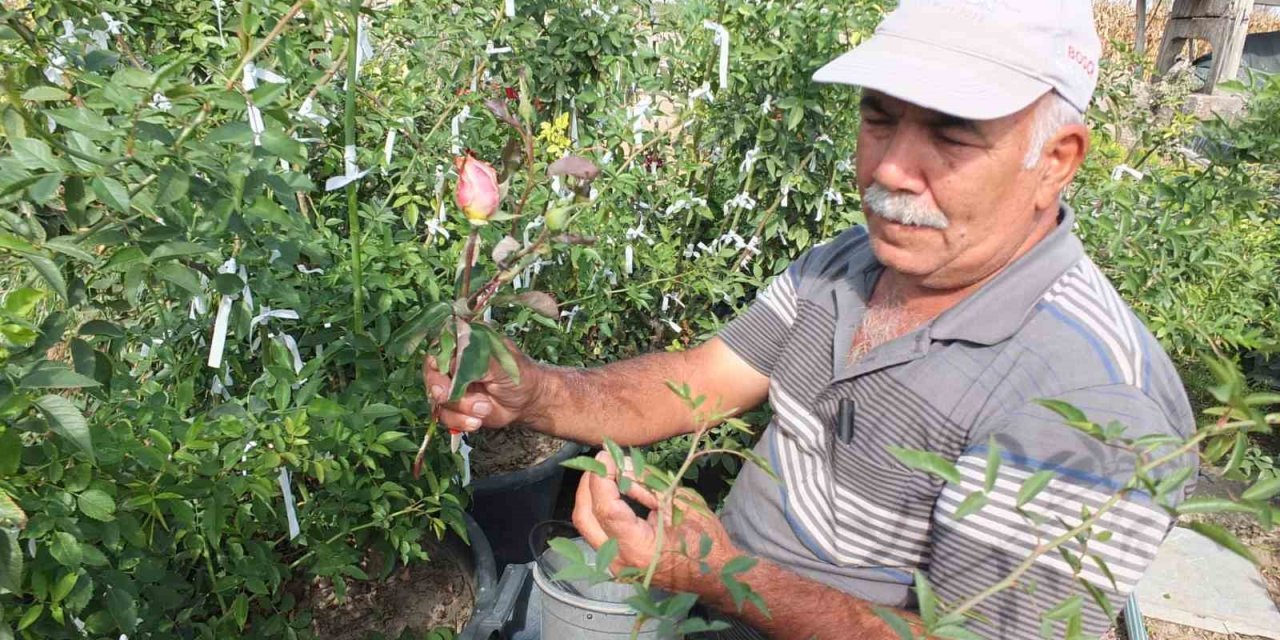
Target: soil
[
  {"x": 498, "y": 451},
  {"x": 413, "y": 599}
]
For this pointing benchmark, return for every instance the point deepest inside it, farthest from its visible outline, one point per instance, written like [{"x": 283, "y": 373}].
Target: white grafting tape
[
  {"x": 722, "y": 39},
  {"x": 389, "y": 145},
  {"x": 573, "y": 120},
  {"x": 352, "y": 170},
  {"x": 629, "y": 261},
  {"x": 219, "y": 340},
  {"x": 455, "y": 441},
  {"x": 291, "y": 346},
  {"x": 265, "y": 316},
  {"x": 290, "y": 509},
  {"x": 307, "y": 111},
  {"x": 509, "y": 8},
  {"x": 455, "y": 130}
]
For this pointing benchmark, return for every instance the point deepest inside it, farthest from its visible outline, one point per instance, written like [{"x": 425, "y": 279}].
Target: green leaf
[
  {"x": 181, "y": 275},
  {"x": 928, "y": 462},
  {"x": 10, "y": 457},
  {"x": 568, "y": 549},
  {"x": 896, "y": 622},
  {"x": 228, "y": 283},
  {"x": 55, "y": 375},
  {"x": 22, "y": 301},
  {"x": 10, "y": 560},
  {"x": 606, "y": 554},
  {"x": 66, "y": 549},
  {"x": 498, "y": 347},
  {"x": 178, "y": 249},
  {"x": 427, "y": 323},
  {"x": 240, "y": 610},
  {"x": 111, "y": 192},
  {"x": 66, "y": 421},
  {"x": 925, "y": 596},
  {"x": 472, "y": 366},
  {"x": 97, "y": 504},
  {"x": 172, "y": 186},
  {"x": 1067, "y": 410},
  {"x": 993, "y": 465},
  {"x": 1262, "y": 490},
  {"x": 955, "y": 632},
  {"x": 279, "y": 143},
  {"x": 740, "y": 564},
  {"x": 123, "y": 608},
  {"x": 64, "y": 586},
  {"x": 1032, "y": 486},
  {"x": 1212, "y": 505},
  {"x": 379, "y": 410},
  {"x": 101, "y": 328},
  {"x": 67, "y": 247},
  {"x": 1224, "y": 538},
  {"x": 29, "y": 618},
  {"x": 1238, "y": 450},
  {"x": 1065, "y": 609},
  {"x": 45, "y": 93},
  {"x": 971, "y": 504},
  {"x": 587, "y": 464},
  {"x": 49, "y": 270},
  {"x": 16, "y": 244}
]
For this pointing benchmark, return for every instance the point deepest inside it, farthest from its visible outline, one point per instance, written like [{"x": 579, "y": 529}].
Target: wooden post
[
  {"x": 1140, "y": 47},
  {"x": 1224, "y": 23}
]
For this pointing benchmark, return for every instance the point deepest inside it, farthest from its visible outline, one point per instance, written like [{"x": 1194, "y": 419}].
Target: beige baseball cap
[{"x": 977, "y": 59}]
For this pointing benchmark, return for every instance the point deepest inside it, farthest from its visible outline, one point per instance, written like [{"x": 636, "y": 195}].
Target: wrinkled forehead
[{"x": 877, "y": 101}]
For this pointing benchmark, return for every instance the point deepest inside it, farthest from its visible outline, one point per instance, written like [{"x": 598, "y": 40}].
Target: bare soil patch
[
  {"x": 498, "y": 451},
  {"x": 413, "y": 599}
]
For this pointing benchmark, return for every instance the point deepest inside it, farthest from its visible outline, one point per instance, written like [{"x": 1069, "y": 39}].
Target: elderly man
[{"x": 938, "y": 326}]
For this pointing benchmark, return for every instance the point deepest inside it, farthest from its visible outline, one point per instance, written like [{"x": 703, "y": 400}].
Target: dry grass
[{"x": 1116, "y": 21}]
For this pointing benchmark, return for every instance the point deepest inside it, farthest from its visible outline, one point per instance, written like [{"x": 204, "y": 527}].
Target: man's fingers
[
  {"x": 479, "y": 405},
  {"x": 584, "y": 518},
  {"x": 642, "y": 494},
  {"x": 458, "y": 421}
]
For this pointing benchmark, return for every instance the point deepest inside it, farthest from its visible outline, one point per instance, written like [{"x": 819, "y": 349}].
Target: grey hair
[{"x": 1053, "y": 114}]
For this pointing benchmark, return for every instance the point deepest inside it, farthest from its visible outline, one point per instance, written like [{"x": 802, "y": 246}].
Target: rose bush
[{"x": 273, "y": 184}]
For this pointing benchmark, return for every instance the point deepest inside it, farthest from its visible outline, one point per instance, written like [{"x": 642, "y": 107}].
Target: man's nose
[{"x": 900, "y": 168}]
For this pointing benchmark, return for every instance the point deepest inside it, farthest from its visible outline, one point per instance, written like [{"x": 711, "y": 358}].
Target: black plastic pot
[
  {"x": 508, "y": 505},
  {"x": 485, "y": 573}
]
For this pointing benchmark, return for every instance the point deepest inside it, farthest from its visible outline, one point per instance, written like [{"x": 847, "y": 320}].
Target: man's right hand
[{"x": 494, "y": 401}]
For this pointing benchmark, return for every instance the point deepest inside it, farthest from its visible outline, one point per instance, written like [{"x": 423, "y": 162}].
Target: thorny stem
[
  {"x": 1221, "y": 427},
  {"x": 469, "y": 261}
]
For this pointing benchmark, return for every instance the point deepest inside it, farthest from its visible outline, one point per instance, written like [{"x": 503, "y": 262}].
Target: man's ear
[{"x": 1059, "y": 161}]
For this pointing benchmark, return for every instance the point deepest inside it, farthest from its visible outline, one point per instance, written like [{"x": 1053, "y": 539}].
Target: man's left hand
[{"x": 600, "y": 514}]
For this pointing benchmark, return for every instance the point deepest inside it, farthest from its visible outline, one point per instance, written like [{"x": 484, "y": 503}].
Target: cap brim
[{"x": 932, "y": 77}]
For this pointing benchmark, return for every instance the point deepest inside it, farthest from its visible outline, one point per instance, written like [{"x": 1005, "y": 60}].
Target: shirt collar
[{"x": 996, "y": 311}]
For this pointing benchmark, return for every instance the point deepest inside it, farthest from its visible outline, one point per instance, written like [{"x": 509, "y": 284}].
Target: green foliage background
[{"x": 129, "y": 174}]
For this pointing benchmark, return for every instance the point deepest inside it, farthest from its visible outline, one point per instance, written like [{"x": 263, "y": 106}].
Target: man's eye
[{"x": 949, "y": 141}]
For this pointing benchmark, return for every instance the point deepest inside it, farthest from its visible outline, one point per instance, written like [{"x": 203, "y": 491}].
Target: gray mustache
[{"x": 903, "y": 208}]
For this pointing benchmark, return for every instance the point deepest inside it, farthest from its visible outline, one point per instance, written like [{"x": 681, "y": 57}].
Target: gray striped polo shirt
[{"x": 850, "y": 515}]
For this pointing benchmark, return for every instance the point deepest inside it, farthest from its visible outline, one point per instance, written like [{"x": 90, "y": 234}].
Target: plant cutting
[{"x": 457, "y": 335}]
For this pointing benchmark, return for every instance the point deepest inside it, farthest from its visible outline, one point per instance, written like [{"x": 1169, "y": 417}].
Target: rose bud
[{"x": 477, "y": 192}]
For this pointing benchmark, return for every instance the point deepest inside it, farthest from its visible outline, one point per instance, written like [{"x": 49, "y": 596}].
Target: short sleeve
[
  {"x": 972, "y": 553},
  {"x": 758, "y": 334}
]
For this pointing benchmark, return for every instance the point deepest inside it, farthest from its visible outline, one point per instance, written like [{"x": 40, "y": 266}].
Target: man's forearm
[
  {"x": 627, "y": 401},
  {"x": 799, "y": 608}
]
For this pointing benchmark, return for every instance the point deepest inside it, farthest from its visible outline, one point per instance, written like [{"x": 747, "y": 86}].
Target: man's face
[{"x": 930, "y": 170}]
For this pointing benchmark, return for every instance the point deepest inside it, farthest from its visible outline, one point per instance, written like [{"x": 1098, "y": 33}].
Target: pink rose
[{"x": 477, "y": 191}]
